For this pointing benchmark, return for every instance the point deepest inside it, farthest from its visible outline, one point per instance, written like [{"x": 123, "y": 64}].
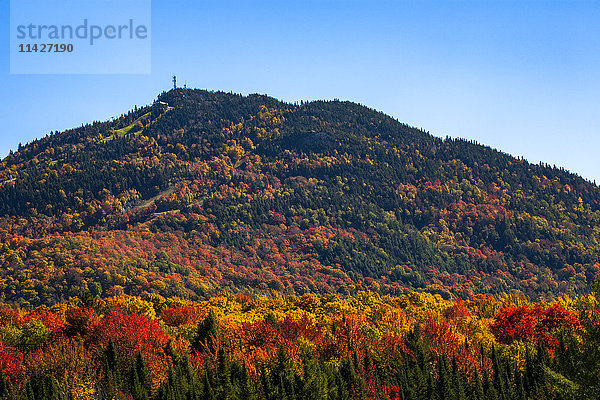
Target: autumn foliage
[
  {"x": 11, "y": 364},
  {"x": 218, "y": 191},
  {"x": 526, "y": 323},
  {"x": 365, "y": 346}
]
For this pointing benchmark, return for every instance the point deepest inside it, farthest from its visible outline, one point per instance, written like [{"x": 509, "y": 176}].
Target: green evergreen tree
[
  {"x": 499, "y": 377},
  {"x": 206, "y": 332},
  {"x": 520, "y": 388},
  {"x": 478, "y": 387},
  {"x": 445, "y": 389},
  {"x": 207, "y": 388},
  {"x": 4, "y": 386},
  {"x": 39, "y": 387}
]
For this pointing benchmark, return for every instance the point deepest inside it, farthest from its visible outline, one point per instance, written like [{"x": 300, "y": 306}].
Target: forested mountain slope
[{"x": 205, "y": 191}]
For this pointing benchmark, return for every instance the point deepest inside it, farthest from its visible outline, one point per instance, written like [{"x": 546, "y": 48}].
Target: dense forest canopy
[
  {"x": 412, "y": 347},
  {"x": 202, "y": 191}
]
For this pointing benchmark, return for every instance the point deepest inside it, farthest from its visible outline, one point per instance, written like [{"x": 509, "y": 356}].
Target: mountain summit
[{"x": 204, "y": 191}]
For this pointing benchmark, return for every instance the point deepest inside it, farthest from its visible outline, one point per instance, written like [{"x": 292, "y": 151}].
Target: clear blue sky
[{"x": 520, "y": 76}]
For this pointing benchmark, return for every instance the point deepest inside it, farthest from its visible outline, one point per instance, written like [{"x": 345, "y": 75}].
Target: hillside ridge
[{"x": 203, "y": 191}]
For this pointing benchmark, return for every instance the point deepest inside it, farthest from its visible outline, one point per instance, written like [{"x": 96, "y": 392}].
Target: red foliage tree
[
  {"x": 291, "y": 329},
  {"x": 260, "y": 334},
  {"x": 132, "y": 333},
  {"x": 525, "y": 323},
  {"x": 182, "y": 315},
  {"x": 50, "y": 320},
  {"x": 11, "y": 364},
  {"x": 81, "y": 321},
  {"x": 8, "y": 316},
  {"x": 444, "y": 341}
]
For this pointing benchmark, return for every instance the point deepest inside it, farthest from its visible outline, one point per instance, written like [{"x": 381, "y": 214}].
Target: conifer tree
[
  {"x": 478, "y": 387},
  {"x": 140, "y": 382},
  {"x": 206, "y": 332},
  {"x": 4, "y": 387}
]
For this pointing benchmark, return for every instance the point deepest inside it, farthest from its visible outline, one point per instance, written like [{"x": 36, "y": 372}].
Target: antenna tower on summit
[{"x": 174, "y": 82}]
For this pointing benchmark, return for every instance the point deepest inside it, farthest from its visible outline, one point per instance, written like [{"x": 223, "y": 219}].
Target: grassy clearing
[{"x": 124, "y": 131}]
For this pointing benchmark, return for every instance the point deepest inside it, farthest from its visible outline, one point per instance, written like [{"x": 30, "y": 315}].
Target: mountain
[{"x": 204, "y": 191}]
